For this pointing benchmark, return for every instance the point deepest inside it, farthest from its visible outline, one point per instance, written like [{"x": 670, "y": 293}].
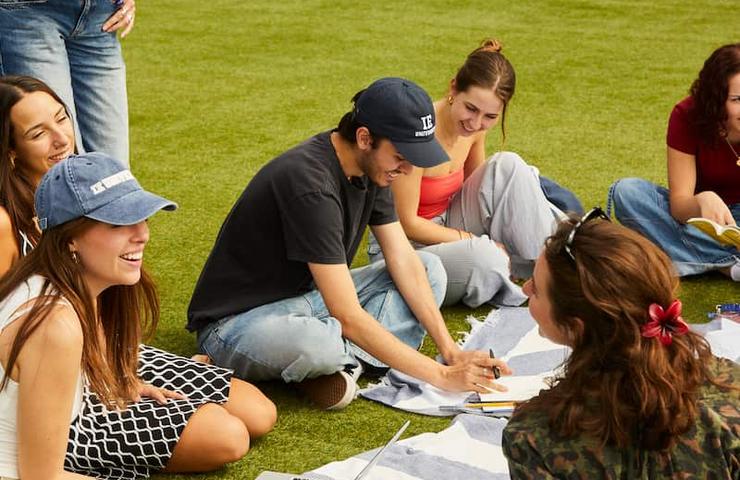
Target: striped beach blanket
[{"x": 470, "y": 447}]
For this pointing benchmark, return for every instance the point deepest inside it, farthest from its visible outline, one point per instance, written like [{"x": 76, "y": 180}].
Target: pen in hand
[{"x": 496, "y": 370}]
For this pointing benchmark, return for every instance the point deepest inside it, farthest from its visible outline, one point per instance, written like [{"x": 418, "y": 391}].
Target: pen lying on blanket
[{"x": 492, "y": 408}]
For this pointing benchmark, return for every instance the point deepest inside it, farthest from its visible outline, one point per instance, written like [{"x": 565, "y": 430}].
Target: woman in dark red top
[{"x": 703, "y": 173}]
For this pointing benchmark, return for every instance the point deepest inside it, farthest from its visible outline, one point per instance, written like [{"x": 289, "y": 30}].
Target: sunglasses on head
[{"x": 594, "y": 213}]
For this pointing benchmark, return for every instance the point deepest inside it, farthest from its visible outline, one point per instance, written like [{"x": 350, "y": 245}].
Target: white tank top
[{"x": 10, "y": 311}]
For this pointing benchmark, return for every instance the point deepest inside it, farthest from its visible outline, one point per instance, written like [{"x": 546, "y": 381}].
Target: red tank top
[{"x": 435, "y": 194}]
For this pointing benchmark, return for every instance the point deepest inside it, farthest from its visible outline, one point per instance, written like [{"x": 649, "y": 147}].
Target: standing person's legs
[
  {"x": 503, "y": 199},
  {"x": 645, "y": 208},
  {"x": 32, "y": 43},
  {"x": 98, "y": 76},
  {"x": 62, "y": 44}
]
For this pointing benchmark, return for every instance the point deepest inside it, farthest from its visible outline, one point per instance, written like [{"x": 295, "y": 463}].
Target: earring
[
  {"x": 450, "y": 99},
  {"x": 75, "y": 257}
]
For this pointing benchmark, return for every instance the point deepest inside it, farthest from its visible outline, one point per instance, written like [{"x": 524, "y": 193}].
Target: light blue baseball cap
[{"x": 95, "y": 186}]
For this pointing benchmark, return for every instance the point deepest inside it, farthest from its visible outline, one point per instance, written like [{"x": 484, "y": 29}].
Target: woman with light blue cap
[{"x": 73, "y": 403}]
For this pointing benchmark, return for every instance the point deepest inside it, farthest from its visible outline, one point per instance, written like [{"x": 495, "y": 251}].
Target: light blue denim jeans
[
  {"x": 61, "y": 42},
  {"x": 296, "y": 338},
  {"x": 645, "y": 207}
]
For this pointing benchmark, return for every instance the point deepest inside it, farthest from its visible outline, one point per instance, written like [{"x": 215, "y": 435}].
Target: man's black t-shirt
[{"x": 299, "y": 208}]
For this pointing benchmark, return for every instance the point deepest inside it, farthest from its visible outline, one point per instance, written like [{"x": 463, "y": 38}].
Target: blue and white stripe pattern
[
  {"x": 510, "y": 332},
  {"x": 470, "y": 447}
]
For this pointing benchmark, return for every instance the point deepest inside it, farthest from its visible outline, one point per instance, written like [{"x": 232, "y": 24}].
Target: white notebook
[{"x": 521, "y": 388}]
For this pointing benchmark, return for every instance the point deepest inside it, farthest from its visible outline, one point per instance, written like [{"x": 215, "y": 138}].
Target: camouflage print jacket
[{"x": 710, "y": 450}]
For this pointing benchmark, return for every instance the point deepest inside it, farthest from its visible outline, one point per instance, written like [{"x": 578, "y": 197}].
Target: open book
[{"x": 724, "y": 234}]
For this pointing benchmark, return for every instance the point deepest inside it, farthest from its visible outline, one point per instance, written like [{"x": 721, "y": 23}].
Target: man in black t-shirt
[{"x": 276, "y": 298}]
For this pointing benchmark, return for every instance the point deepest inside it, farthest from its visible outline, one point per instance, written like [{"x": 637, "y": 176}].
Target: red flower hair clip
[{"x": 664, "y": 323}]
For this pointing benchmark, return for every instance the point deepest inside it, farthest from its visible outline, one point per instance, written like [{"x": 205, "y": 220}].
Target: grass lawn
[{"x": 218, "y": 88}]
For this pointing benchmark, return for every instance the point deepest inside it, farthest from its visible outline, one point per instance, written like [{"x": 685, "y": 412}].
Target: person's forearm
[
  {"x": 410, "y": 277},
  {"x": 365, "y": 331},
  {"x": 684, "y": 207},
  {"x": 426, "y": 232}
]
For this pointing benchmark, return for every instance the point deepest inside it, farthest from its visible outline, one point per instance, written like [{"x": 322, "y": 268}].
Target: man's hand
[{"x": 472, "y": 370}]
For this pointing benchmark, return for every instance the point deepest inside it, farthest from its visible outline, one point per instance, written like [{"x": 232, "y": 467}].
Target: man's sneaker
[{"x": 330, "y": 392}]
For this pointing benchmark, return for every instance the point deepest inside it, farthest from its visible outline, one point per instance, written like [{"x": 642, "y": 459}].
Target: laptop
[{"x": 360, "y": 476}]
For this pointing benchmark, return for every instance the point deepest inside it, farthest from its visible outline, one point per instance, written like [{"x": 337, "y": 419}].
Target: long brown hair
[
  {"x": 709, "y": 92},
  {"x": 123, "y": 312},
  {"x": 618, "y": 387},
  {"x": 16, "y": 185},
  {"x": 486, "y": 67}
]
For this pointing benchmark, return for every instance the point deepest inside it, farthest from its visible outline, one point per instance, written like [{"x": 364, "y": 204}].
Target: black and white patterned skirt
[{"x": 129, "y": 444}]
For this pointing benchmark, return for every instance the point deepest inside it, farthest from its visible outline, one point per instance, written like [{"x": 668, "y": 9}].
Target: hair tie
[
  {"x": 664, "y": 323},
  {"x": 491, "y": 45}
]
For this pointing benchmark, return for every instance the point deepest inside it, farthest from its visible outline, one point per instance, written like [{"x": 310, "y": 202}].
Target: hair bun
[{"x": 491, "y": 45}]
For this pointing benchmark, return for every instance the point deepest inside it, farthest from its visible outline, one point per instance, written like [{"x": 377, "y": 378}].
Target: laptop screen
[{"x": 377, "y": 456}]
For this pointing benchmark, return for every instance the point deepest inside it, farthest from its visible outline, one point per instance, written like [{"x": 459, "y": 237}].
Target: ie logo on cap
[{"x": 426, "y": 122}]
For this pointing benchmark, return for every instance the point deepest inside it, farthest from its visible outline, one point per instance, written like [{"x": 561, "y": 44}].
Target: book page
[
  {"x": 725, "y": 234},
  {"x": 521, "y": 388}
]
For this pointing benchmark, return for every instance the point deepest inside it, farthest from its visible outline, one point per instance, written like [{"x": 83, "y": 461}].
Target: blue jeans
[
  {"x": 297, "y": 338},
  {"x": 645, "y": 207},
  {"x": 61, "y": 43},
  {"x": 560, "y": 196}
]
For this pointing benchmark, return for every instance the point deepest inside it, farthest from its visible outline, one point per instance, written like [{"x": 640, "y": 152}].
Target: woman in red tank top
[{"x": 470, "y": 211}]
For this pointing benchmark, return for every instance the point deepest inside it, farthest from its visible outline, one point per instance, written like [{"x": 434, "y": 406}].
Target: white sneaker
[{"x": 735, "y": 272}]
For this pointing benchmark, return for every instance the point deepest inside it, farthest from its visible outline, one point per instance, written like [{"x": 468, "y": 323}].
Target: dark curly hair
[
  {"x": 618, "y": 387},
  {"x": 709, "y": 91}
]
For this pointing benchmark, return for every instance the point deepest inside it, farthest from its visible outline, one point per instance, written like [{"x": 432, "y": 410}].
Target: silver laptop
[{"x": 361, "y": 475}]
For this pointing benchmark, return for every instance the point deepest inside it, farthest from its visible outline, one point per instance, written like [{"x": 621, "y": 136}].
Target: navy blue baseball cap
[
  {"x": 95, "y": 186},
  {"x": 401, "y": 111}
]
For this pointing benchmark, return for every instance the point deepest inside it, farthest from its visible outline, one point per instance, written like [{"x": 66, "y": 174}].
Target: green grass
[{"x": 216, "y": 89}]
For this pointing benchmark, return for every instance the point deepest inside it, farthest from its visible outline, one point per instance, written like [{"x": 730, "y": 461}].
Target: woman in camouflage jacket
[{"x": 641, "y": 395}]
